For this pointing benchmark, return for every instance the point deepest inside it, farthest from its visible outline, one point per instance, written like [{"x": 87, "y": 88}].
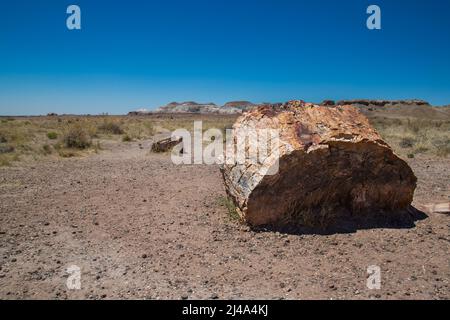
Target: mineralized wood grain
[{"x": 331, "y": 163}]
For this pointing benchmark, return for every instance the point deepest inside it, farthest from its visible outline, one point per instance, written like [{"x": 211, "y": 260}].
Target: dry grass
[
  {"x": 77, "y": 137},
  {"x": 40, "y": 137},
  {"x": 231, "y": 208},
  {"x": 409, "y": 136},
  {"x": 69, "y": 136},
  {"x": 110, "y": 127}
]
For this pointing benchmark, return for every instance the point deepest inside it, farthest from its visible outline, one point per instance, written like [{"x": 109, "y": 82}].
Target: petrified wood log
[
  {"x": 165, "y": 145},
  {"x": 331, "y": 163}
]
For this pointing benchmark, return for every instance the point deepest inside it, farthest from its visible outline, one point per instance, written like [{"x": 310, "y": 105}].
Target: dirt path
[{"x": 140, "y": 227}]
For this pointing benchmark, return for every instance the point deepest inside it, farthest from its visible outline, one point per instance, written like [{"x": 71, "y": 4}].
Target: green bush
[{"x": 52, "y": 135}]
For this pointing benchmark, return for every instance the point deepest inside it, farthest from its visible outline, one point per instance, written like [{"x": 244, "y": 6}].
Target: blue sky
[{"x": 132, "y": 54}]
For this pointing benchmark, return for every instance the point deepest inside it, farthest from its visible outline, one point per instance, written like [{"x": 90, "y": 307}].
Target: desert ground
[{"x": 140, "y": 227}]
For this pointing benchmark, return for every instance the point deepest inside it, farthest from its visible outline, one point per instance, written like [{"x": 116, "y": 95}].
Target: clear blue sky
[{"x": 132, "y": 54}]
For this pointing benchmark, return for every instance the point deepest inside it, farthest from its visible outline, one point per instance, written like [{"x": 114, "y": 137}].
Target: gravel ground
[{"x": 139, "y": 227}]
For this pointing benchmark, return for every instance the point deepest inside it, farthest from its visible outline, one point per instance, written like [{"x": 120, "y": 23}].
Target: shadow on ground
[{"x": 404, "y": 219}]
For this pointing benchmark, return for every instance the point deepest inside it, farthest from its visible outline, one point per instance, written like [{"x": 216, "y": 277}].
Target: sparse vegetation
[
  {"x": 110, "y": 127},
  {"x": 406, "y": 142},
  {"x": 47, "y": 149},
  {"x": 444, "y": 152},
  {"x": 138, "y": 129},
  {"x": 97, "y": 147},
  {"x": 52, "y": 135},
  {"x": 67, "y": 153},
  {"x": 415, "y": 136},
  {"x": 28, "y": 136},
  {"x": 7, "y": 158},
  {"x": 6, "y": 149},
  {"x": 77, "y": 137},
  {"x": 231, "y": 208}
]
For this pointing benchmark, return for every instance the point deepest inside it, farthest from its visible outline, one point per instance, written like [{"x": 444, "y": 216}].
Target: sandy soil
[{"x": 140, "y": 227}]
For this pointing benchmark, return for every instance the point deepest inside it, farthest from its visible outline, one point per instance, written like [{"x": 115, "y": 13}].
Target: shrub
[
  {"x": 110, "y": 127},
  {"x": 126, "y": 138},
  {"x": 77, "y": 137},
  {"x": 6, "y": 149},
  {"x": 407, "y": 142},
  {"x": 47, "y": 149},
  {"x": 421, "y": 149},
  {"x": 52, "y": 135}
]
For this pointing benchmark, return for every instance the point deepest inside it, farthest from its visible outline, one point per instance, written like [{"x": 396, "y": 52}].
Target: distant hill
[
  {"x": 188, "y": 107},
  {"x": 383, "y": 103},
  {"x": 386, "y": 108},
  {"x": 399, "y": 108},
  {"x": 194, "y": 107}
]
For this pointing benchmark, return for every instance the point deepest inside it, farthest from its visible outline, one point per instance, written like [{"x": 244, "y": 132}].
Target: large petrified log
[{"x": 331, "y": 163}]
